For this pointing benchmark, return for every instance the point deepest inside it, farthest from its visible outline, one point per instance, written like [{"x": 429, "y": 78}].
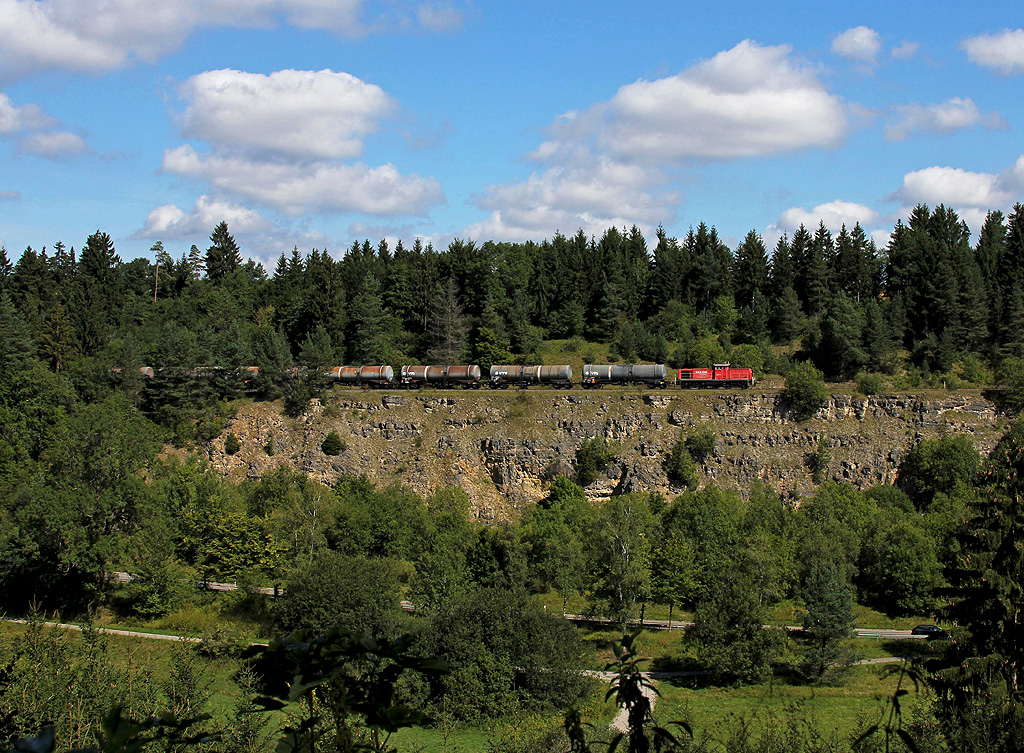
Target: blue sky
[{"x": 313, "y": 123}]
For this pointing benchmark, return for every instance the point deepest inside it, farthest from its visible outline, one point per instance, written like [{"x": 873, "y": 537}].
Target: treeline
[{"x": 929, "y": 295}]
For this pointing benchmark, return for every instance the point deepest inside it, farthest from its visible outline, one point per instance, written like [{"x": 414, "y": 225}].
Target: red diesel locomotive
[{"x": 721, "y": 375}]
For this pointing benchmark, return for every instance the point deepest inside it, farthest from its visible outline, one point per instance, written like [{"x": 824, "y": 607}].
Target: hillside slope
[{"x": 502, "y": 447}]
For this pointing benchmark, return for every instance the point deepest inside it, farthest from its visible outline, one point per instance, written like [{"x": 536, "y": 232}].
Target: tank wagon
[
  {"x": 372, "y": 376},
  {"x": 720, "y": 375},
  {"x": 648, "y": 375},
  {"x": 467, "y": 377},
  {"x": 504, "y": 375}
]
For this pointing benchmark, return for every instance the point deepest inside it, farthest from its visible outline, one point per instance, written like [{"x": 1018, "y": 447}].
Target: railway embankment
[{"x": 503, "y": 447}]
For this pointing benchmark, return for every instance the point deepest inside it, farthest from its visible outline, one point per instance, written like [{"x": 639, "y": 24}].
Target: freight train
[{"x": 503, "y": 376}]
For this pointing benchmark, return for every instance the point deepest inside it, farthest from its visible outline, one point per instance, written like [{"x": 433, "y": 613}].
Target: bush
[
  {"x": 1011, "y": 376},
  {"x": 332, "y": 444},
  {"x": 870, "y": 384},
  {"x": 701, "y": 442},
  {"x": 680, "y": 466},
  {"x": 231, "y": 444},
  {"x": 805, "y": 391},
  {"x": 592, "y": 457}
]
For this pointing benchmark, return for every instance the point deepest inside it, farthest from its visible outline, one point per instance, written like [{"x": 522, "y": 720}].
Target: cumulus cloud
[
  {"x": 281, "y": 140},
  {"x": 1003, "y": 52},
  {"x": 593, "y": 198},
  {"x": 296, "y": 189},
  {"x": 55, "y": 145},
  {"x": 609, "y": 164},
  {"x": 96, "y": 37},
  {"x": 744, "y": 102},
  {"x": 859, "y": 43},
  {"x": 955, "y": 114},
  {"x": 168, "y": 221},
  {"x": 257, "y": 236},
  {"x": 834, "y": 214},
  {"x": 15, "y": 119},
  {"x": 306, "y": 114},
  {"x": 971, "y": 194}
]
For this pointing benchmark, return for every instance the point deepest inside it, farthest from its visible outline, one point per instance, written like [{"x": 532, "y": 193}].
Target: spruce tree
[
  {"x": 751, "y": 269},
  {"x": 222, "y": 257}
]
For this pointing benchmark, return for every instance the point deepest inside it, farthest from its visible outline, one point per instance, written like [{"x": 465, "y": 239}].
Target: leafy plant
[
  {"x": 231, "y": 444},
  {"x": 805, "y": 391},
  {"x": 332, "y": 444}
]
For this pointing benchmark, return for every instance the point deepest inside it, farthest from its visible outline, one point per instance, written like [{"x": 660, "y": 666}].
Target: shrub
[
  {"x": 680, "y": 466},
  {"x": 701, "y": 442},
  {"x": 805, "y": 391},
  {"x": 231, "y": 444},
  {"x": 332, "y": 444},
  {"x": 870, "y": 384},
  {"x": 592, "y": 457}
]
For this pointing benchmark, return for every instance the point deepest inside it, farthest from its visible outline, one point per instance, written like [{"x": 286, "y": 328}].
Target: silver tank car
[
  {"x": 372, "y": 375},
  {"x": 467, "y": 376},
  {"x": 650, "y": 375},
  {"x": 503, "y": 375}
]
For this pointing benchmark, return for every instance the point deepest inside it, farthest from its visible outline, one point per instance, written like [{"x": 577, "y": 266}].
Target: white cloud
[
  {"x": 306, "y": 114},
  {"x": 39, "y": 35},
  {"x": 258, "y": 237},
  {"x": 971, "y": 194},
  {"x": 905, "y": 51},
  {"x": 15, "y": 119},
  {"x": 859, "y": 43},
  {"x": 168, "y": 221},
  {"x": 319, "y": 187},
  {"x": 593, "y": 198},
  {"x": 834, "y": 214},
  {"x": 1004, "y": 52},
  {"x": 609, "y": 164},
  {"x": 955, "y": 114},
  {"x": 55, "y": 145},
  {"x": 954, "y": 187},
  {"x": 743, "y": 102}
]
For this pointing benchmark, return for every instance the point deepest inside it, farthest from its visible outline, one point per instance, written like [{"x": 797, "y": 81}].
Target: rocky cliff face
[{"x": 502, "y": 447}]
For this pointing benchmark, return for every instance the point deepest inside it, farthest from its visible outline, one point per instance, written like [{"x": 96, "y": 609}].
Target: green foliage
[
  {"x": 870, "y": 384},
  {"x": 592, "y": 457},
  {"x": 728, "y": 632},
  {"x": 805, "y": 391},
  {"x": 827, "y": 622},
  {"x": 620, "y": 548},
  {"x": 820, "y": 461},
  {"x": 701, "y": 441},
  {"x": 680, "y": 465},
  {"x": 947, "y": 466},
  {"x": 1011, "y": 376},
  {"x": 341, "y": 690},
  {"x": 332, "y": 444},
  {"x": 978, "y": 681},
  {"x": 232, "y": 444},
  {"x": 333, "y": 591},
  {"x": 506, "y": 653}
]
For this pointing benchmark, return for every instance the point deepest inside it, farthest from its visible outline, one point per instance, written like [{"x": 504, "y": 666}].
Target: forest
[{"x": 86, "y": 490}]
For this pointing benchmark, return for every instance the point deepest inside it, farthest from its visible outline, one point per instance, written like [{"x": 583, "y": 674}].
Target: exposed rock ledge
[{"x": 501, "y": 447}]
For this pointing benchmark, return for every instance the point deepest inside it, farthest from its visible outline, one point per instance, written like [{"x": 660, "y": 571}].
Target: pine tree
[
  {"x": 751, "y": 269},
  {"x": 222, "y": 257}
]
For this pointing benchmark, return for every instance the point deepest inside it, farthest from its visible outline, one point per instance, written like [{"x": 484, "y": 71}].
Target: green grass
[{"x": 833, "y": 711}]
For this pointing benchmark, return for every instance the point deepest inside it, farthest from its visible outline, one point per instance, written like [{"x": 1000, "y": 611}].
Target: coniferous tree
[
  {"x": 750, "y": 270},
  {"x": 223, "y": 256}
]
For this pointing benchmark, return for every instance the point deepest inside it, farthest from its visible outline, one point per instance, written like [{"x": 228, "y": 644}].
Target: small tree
[
  {"x": 805, "y": 391},
  {"x": 592, "y": 457},
  {"x": 332, "y": 444},
  {"x": 231, "y": 444},
  {"x": 827, "y": 622},
  {"x": 680, "y": 466}
]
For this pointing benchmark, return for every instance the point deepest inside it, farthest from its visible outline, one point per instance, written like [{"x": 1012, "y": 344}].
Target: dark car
[{"x": 929, "y": 631}]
